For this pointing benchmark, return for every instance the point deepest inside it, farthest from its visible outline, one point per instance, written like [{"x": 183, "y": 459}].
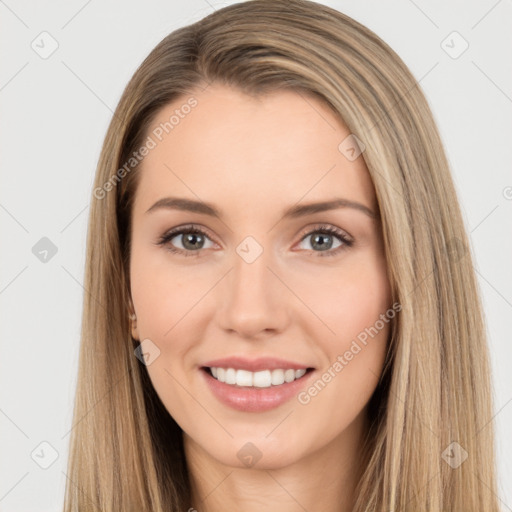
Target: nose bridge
[{"x": 251, "y": 295}]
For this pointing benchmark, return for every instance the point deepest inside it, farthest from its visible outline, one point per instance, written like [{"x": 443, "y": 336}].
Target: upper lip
[{"x": 255, "y": 365}]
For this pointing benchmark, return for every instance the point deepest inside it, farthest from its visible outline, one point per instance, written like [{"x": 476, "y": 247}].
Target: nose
[{"x": 253, "y": 301}]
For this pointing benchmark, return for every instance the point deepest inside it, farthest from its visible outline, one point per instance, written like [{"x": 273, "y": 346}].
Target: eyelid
[{"x": 325, "y": 227}]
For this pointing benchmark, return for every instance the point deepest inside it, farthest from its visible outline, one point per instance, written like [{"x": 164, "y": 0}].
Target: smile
[{"x": 257, "y": 391}]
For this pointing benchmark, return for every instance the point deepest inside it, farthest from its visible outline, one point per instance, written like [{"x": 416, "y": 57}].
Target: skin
[{"x": 253, "y": 158}]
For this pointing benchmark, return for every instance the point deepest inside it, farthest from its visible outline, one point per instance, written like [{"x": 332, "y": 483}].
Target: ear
[
  {"x": 133, "y": 322},
  {"x": 135, "y": 332}
]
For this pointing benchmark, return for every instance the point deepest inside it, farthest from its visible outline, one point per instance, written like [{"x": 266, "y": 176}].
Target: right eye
[{"x": 191, "y": 238}]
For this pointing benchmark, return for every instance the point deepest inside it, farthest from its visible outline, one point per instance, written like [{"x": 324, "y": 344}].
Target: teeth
[
  {"x": 243, "y": 378},
  {"x": 230, "y": 376},
  {"x": 261, "y": 379},
  {"x": 289, "y": 375},
  {"x": 277, "y": 377}
]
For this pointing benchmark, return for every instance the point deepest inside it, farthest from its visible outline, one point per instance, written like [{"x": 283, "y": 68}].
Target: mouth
[
  {"x": 259, "y": 384},
  {"x": 270, "y": 378}
]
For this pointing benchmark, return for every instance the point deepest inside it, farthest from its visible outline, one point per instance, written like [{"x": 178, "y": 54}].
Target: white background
[{"x": 55, "y": 112}]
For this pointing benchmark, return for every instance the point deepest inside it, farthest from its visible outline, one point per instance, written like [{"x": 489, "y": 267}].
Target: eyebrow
[{"x": 191, "y": 205}]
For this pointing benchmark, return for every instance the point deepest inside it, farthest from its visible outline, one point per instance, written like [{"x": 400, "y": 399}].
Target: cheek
[
  {"x": 166, "y": 300},
  {"x": 349, "y": 298},
  {"x": 357, "y": 310},
  {"x": 162, "y": 294},
  {"x": 355, "y": 359},
  {"x": 355, "y": 304}
]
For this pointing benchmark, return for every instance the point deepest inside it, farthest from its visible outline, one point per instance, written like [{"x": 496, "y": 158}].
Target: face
[{"x": 265, "y": 286}]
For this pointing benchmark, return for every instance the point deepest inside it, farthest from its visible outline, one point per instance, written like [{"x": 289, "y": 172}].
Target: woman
[{"x": 323, "y": 347}]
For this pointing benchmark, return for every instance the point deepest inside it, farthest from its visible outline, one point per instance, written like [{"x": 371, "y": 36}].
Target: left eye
[{"x": 323, "y": 240}]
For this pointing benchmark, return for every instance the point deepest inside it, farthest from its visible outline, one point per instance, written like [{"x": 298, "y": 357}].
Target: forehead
[{"x": 224, "y": 146}]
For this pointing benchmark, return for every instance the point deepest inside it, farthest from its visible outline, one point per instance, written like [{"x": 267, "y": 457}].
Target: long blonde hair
[{"x": 126, "y": 451}]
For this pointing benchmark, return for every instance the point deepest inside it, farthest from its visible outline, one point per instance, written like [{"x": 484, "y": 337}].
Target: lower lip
[{"x": 255, "y": 399}]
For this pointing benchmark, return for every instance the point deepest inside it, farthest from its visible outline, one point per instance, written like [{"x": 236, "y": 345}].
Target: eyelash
[{"x": 192, "y": 229}]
